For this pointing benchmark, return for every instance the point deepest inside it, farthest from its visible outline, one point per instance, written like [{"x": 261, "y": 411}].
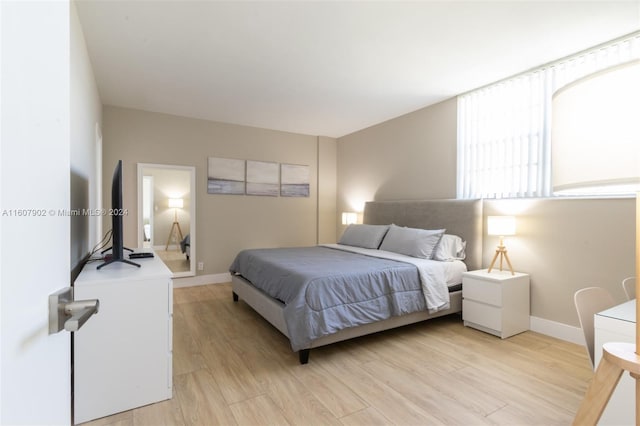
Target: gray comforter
[{"x": 325, "y": 290}]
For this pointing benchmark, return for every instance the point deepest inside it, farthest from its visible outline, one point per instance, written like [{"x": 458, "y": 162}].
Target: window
[{"x": 504, "y": 130}]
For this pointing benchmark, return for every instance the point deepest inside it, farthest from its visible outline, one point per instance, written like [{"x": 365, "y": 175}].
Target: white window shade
[
  {"x": 504, "y": 129},
  {"x": 502, "y": 139},
  {"x": 596, "y": 133}
]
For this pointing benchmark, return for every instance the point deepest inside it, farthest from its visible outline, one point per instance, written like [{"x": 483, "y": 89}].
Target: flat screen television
[{"x": 117, "y": 212}]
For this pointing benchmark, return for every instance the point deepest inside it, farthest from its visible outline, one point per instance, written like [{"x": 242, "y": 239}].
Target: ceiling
[{"x": 327, "y": 68}]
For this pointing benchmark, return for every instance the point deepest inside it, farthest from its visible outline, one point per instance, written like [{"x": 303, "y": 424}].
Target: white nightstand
[{"x": 496, "y": 302}]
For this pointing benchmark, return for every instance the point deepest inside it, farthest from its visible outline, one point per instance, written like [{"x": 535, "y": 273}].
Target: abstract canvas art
[
  {"x": 262, "y": 178},
  {"x": 294, "y": 180},
  {"x": 225, "y": 176}
]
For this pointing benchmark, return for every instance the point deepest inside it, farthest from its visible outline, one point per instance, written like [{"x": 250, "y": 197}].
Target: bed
[
  {"x": 288, "y": 287},
  {"x": 185, "y": 246}
]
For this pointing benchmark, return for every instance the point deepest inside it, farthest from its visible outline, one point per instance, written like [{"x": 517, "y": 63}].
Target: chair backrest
[
  {"x": 590, "y": 301},
  {"x": 629, "y": 287}
]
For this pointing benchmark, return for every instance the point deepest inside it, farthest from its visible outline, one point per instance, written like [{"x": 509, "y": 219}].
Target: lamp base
[
  {"x": 502, "y": 252},
  {"x": 175, "y": 228}
]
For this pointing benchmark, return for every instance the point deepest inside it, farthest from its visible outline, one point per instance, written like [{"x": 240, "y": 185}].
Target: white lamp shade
[
  {"x": 595, "y": 135},
  {"x": 501, "y": 225},
  {"x": 349, "y": 217},
  {"x": 176, "y": 202}
]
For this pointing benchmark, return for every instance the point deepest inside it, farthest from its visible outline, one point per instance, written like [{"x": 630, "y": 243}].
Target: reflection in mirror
[{"x": 166, "y": 215}]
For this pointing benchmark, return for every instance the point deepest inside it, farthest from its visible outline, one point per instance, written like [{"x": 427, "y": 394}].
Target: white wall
[{"x": 86, "y": 118}]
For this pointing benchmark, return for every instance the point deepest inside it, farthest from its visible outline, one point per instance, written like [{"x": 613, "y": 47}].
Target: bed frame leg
[
  {"x": 235, "y": 297},
  {"x": 304, "y": 356}
]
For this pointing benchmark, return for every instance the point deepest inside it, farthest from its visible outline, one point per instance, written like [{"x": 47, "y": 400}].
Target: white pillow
[
  {"x": 412, "y": 241},
  {"x": 366, "y": 236},
  {"x": 450, "y": 247}
]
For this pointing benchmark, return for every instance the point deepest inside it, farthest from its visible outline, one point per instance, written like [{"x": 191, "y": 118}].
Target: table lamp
[
  {"x": 501, "y": 226},
  {"x": 349, "y": 217}
]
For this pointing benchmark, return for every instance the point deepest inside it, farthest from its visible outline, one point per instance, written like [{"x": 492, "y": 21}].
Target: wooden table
[{"x": 617, "y": 324}]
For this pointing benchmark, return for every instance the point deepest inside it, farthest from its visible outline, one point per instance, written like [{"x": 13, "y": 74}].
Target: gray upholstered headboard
[{"x": 459, "y": 217}]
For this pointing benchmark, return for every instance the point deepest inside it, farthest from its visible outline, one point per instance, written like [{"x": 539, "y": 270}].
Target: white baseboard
[
  {"x": 556, "y": 329},
  {"x": 202, "y": 280}
]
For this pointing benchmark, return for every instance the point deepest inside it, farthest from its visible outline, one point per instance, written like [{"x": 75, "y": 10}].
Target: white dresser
[
  {"x": 496, "y": 302},
  {"x": 123, "y": 355},
  {"x": 617, "y": 324}
]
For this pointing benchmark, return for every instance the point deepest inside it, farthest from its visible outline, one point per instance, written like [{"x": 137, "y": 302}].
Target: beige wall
[
  {"x": 410, "y": 157},
  {"x": 225, "y": 224},
  {"x": 563, "y": 244},
  {"x": 566, "y": 245},
  {"x": 327, "y": 184}
]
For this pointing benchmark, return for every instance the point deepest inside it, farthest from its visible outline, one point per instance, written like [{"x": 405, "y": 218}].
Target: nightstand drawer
[
  {"x": 482, "y": 291},
  {"x": 481, "y": 314}
]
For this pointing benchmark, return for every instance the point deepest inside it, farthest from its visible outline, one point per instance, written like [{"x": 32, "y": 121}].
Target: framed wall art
[
  {"x": 294, "y": 180},
  {"x": 262, "y": 178},
  {"x": 226, "y": 176}
]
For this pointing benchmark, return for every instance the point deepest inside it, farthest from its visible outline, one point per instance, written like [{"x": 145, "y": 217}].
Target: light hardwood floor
[
  {"x": 174, "y": 259},
  {"x": 233, "y": 368}
]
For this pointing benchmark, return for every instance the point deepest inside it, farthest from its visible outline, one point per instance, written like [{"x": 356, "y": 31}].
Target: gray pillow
[
  {"x": 366, "y": 236},
  {"x": 412, "y": 241}
]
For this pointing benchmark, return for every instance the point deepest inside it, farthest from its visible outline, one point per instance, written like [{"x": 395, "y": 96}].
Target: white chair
[
  {"x": 590, "y": 301},
  {"x": 629, "y": 287}
]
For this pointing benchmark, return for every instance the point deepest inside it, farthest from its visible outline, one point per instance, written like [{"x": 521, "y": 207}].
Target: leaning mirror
[{"x": 167, "y": 215}]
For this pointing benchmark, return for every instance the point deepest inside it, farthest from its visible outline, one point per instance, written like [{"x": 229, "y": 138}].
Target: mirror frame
[{"x": 192, "y": 211}]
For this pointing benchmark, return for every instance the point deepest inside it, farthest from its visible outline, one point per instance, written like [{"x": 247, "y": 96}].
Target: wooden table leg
[
  {"x": 598, "y": 394},
  {"x": 617, "y": 357}
]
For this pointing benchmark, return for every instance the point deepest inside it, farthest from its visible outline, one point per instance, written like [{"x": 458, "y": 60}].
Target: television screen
[{"x": 117, "y": 212}]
